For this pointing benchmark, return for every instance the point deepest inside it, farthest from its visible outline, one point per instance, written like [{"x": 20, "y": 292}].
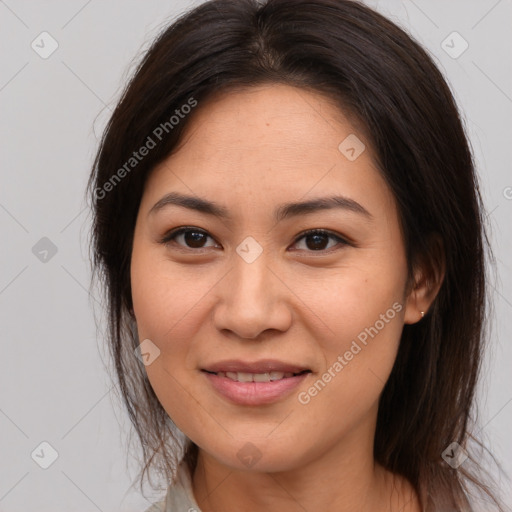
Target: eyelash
[{"x": 171, "y": 235}]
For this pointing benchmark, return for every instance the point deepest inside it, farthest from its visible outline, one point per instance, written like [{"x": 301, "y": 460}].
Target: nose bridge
[
  {"x": 251, "y": 279},
  {"x": 252, "y": 300}
]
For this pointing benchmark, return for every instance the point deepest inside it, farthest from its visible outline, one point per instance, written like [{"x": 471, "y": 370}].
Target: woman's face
[{"x": 250, "y": 294}]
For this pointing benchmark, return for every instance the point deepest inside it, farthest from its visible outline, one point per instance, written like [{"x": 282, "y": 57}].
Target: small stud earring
[{"x": 422, "y": 314}]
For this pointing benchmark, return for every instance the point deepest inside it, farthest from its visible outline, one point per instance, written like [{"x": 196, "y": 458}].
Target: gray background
[{"x": 53, "y": 383}]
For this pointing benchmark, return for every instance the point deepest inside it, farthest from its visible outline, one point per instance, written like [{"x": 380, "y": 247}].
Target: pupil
[
  {"x": 193, "y": 238},
  {"x": 318, "y": 238}
]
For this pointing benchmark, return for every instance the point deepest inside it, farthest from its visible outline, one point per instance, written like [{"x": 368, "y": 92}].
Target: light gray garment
[{"x": 179, "y": 497}]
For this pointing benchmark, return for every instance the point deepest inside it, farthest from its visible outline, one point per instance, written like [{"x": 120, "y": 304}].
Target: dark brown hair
[{"x": 381, "y": 77}]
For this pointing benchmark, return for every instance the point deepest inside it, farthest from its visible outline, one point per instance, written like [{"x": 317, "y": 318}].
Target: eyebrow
[{"x": 284, "y": 211}]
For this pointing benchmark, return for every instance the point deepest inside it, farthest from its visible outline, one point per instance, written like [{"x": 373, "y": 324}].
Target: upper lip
[{"x": 262, "y": 366}]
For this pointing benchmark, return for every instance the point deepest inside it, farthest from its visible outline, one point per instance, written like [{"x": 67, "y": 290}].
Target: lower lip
[{"x": 254, "y": 393}]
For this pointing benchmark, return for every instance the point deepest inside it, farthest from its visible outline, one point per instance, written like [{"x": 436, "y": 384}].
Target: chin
[{"x": 257, "y": 455}]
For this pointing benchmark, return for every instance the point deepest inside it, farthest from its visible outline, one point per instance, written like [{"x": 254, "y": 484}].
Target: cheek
[
  {"x": 358, "y": 362},
  {"x": 170, "y": 303},
  {"x": 348, "y": 300},
  {"x": 162, "y": 294},
  {"x": 167, "y": 303},
  {"x": 360, "y": 317}
]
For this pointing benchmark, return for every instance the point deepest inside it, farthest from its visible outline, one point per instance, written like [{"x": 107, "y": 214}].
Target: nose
[{"x": 252, "y": 299}]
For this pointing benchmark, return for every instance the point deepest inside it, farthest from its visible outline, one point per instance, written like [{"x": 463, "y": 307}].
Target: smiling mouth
[{"x": 257, "y": 377}]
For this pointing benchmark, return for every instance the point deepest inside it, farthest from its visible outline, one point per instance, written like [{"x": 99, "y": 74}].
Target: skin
[{"x": 251, "y": 151}]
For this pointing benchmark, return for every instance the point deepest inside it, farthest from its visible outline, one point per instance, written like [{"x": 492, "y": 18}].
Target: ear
[{"x": 429, "y": 272}]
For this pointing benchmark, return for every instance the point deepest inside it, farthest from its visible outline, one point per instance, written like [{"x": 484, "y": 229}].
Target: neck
[{"x": 344, "y": 479}]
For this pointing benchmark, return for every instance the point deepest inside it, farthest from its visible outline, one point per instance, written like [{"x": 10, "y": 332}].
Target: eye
[
  {"x": 193, "y": 238},
  {"x": 317, "y": 239}
]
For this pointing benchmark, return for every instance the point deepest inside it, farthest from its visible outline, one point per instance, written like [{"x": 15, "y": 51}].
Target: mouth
[
  {"x": 265, "y": 370},
  {"x": 255, "y": 383},
  {"x": 257, "y": 377}
]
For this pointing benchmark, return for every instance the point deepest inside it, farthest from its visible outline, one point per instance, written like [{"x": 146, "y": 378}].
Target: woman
[{"x": 289, "y": 228}]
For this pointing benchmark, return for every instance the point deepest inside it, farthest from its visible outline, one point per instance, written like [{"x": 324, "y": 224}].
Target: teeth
[
  {"x": 255, "y": 377},
  {"x": 261, "y": 377},
  {"x": 243, "y": 377}
]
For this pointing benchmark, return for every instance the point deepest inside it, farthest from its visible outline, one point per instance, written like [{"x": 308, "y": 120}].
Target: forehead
[
  {"x": 268, "y": 140},
  {"x": 269, "y": 118}
]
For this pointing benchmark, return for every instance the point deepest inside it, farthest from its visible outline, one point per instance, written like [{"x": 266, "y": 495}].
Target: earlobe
[
  {"x": 427, "y": 283},
  {"x": 417, "y": 303}
]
